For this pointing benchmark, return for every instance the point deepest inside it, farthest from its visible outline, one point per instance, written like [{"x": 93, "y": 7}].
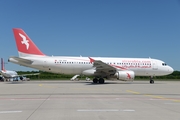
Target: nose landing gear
[{"x": 151, "y": 80}]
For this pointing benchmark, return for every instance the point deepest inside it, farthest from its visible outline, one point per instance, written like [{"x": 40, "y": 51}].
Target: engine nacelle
[
  {"x": 89, "y": 72},
  {"x": 21, "y": 78},
  {"x": 125, "y": 75}
]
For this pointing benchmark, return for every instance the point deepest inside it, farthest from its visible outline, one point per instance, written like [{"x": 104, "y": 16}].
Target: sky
[{"x": 95, "y": 28}]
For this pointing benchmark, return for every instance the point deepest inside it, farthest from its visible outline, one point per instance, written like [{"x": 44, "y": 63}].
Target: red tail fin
[
  {"x": 2, "y": 65},
  {"x": 24, "y": 44}
]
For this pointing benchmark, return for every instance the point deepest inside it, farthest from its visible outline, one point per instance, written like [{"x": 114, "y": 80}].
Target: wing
[
  {"x": 27, "y": 74},
  {"x": 103, "y": 68}
]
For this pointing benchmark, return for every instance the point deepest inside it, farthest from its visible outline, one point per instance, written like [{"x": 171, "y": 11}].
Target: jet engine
[
  {"x": 125, "y": 75},
  {"x": 89, "y": 72},
  {"x": 21, "y": 78}
]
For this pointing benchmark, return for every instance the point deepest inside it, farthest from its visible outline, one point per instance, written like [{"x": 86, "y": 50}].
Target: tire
[
  {"x": 101, "y": 81},
  {"x": 95, "y": 80},
  {"x": 152, "y": 81}
]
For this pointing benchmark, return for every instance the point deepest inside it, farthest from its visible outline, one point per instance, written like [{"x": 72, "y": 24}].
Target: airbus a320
[{"x": 124, "y": 69}]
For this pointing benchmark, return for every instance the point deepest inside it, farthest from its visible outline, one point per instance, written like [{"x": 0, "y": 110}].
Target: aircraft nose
[{"x": 170, "y": 70}]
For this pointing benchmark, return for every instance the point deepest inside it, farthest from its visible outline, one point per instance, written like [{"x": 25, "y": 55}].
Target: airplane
[
  {"x": 10, "y": 74},
  {"x": 1, "y": 78},
  {"x": 124, "y": 69}
]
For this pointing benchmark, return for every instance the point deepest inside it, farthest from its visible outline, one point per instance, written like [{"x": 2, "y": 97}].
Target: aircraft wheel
[
  {"x": 152, "y": 81},
  {"x": 95, "y": 80},
  {"x": 101, "y": 80}
]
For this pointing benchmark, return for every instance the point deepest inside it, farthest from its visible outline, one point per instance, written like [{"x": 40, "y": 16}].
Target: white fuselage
[
  {"x": 76, "y": 65},
  {"x": 9, "y": 73}
]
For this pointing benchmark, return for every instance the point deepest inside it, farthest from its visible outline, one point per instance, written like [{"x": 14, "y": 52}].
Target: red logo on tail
[
  {"x": 24, "y": 41},
  {"x": 25, "y": 44}
]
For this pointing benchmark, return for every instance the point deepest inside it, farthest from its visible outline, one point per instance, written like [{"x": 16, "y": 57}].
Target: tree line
[{"x": 54, "y": 76}]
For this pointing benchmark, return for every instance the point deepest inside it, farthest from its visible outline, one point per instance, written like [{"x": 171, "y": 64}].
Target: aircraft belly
[
  {"x": 139, "y": 72},
  {"x": 62, "y": 69},
  {"x": 145, "y": 72}
]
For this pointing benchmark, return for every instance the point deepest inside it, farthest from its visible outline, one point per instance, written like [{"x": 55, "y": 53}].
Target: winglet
[{"x": 91, "y": 60}]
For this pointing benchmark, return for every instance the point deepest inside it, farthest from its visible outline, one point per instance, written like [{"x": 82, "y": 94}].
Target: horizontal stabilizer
[{"x": 21, "y": 60}]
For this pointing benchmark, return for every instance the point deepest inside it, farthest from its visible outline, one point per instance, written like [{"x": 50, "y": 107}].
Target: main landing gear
[
  {"x": 100, "y": 80},
  {"x": 151, "y": 80}
]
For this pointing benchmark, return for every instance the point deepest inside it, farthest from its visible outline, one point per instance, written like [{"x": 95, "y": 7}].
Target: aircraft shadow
[{"x": 83, "y": 82}]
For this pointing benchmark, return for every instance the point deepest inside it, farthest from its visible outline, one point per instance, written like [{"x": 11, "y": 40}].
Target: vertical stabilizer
[
  {"x": 25, "y": 45},
  {"x": 2, "y": 65}
]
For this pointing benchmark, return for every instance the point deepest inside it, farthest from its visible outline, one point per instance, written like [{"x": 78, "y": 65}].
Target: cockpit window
[{"x": 164, "y": 64}]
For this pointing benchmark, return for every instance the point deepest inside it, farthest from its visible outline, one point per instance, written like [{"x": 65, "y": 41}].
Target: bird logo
[
  {"x": 128, "y": 76},
  {"x": 24, "y": 41}
]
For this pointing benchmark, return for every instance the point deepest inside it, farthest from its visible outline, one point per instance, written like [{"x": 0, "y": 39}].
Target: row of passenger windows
[
  {"x": 73, "y": 62},
  {"x": 106, "y": 63}
]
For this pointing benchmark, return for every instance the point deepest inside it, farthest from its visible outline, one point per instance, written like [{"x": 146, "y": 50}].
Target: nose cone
[{"x": 170, "y": 70}]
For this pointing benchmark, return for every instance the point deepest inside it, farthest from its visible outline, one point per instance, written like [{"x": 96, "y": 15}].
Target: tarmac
[{"x": 83, "y": 100}]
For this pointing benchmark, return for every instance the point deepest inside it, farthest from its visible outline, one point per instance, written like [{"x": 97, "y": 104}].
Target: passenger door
[{"x": 154, "y": 65}]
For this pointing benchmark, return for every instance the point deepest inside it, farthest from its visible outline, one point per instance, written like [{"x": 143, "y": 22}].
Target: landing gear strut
[
  {"x": 151, "y": 80},
  {"x": 100, "y": 80}
]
